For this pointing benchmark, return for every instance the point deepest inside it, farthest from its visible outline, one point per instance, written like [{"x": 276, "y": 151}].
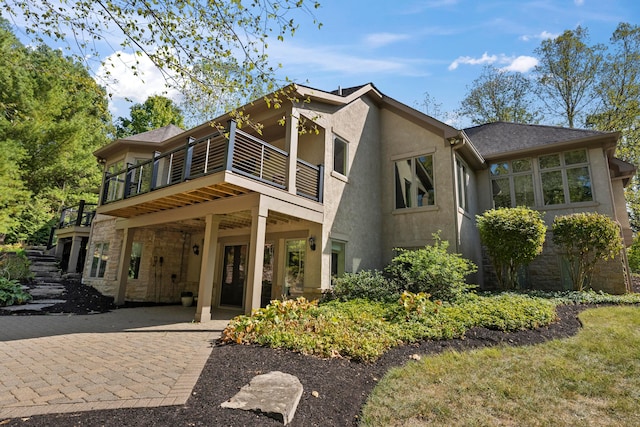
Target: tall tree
[
  {"x": 500, "y": 96},
  {"x": 157, "y": 111},
  {"x": 174, "y": 34},
  {"x": 568, "y": 74},
  {"x": 54, "y": 116},
  {"x": 619, "y": 110}
]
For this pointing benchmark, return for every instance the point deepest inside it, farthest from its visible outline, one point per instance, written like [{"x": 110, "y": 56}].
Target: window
[
  {"x": 294, "y": 267},
  {"x": 134, "y": 261},
  {"x": 463, "y": 184},
  {"x": 414, "y": 182},
  {"x": 337, "y": 258},
  {"x": 512, "y": 183},
  {"x": 99, "y": 261},
  {"x": 340, "y": 156},
  {"x": 565, "y": 178}
]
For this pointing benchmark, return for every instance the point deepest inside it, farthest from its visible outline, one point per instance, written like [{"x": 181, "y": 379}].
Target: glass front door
[{"x": 234, "y": 275}]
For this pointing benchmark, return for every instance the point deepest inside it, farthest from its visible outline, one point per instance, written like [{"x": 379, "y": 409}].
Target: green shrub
[
  {"x": 586, "y": 297},
  {"x": 431, "y": 270},
  {"x": 513, "y": 238},
  {"x": 11, "y": 292},
  {"x": 371, "y": 285},
  {"x": 14, "y": 265},
  {"x": 585, "y": 239},
  {"x": 633, "y": 254}
]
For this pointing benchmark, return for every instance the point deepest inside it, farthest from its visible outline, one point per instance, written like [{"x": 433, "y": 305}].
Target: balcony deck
[{"x": 217, "y": 166}]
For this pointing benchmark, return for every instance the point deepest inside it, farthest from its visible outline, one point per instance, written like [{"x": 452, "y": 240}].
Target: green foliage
[
  {"x": 500, "y": 96},
  {"x": 568, "y": 72},
  {"x": 11, "y": 292},
  {"x": 363, "y": 330},
  {"x": 586, "y": 297},
  {"x": 366, "y": 284},
  {"x": 157, "y": 111},
  {"x": 513, "y": 238},
  {"x": 633, "y": 255},
  {"x": 14, "y": 265},
  {"x": 53, "y": 116},
  {"x": 431, "y": 270},
  {"x": 585, "y": 239}
]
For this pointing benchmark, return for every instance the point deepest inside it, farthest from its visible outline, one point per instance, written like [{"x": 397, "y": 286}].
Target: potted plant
[{"x": 186, "y": 298}]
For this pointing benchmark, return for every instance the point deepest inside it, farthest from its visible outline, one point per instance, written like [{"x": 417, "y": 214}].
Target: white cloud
[
  {"x": 542, "y": 36},
  {"x": 484, "y": 59},
  {"x": 122, "y": 82},
  {"x": 521, "y": 64},
  {"x": 383, "y": 39}
]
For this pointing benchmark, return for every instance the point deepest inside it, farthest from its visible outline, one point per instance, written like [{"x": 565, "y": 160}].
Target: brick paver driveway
[{"x": 133, "y": 357}]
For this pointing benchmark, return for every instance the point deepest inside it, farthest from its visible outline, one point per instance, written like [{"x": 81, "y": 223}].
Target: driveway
[{"x": 131, "y": 357}]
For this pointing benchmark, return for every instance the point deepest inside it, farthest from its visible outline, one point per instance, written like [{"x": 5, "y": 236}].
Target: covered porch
[{"x": 236, "y": 253}]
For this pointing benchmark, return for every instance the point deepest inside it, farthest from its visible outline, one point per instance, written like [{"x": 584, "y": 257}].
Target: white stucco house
[{"x": 239, "y": 217}]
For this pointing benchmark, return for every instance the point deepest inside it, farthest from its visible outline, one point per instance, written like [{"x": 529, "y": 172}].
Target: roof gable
[
  {"x": 498, "y": 138},
  {"x": 156, "y": 135}
]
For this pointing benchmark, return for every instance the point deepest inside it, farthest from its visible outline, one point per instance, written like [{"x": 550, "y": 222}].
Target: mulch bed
[{"x": 342, "y": 387}]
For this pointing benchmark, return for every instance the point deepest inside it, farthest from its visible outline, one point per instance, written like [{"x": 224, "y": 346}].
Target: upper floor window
[
  {"x": 512, "y": 183},
  {"x": 414, "y": 182},
  {"x": 565, "y": 178},
  {"x": 340, "y": 155}
]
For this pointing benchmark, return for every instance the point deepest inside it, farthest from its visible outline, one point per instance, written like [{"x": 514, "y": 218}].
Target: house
[{"x": 333, "y": 182}]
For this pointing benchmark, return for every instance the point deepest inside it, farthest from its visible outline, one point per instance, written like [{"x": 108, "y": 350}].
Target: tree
[
  {"x": 500, "y": 96},
  {"x": 173, "y": 34},
  {"x": 568, "y": 74},
  {"x": 157, "y": 111},
  {"x": 54, "y": 116},
  {"x": 513, "y": 238},
  {"x": 619, "y": 110},
  {"x": 585, "y": 239}
]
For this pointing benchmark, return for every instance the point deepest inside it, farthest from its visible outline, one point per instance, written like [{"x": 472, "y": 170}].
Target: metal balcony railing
[
  {"x": 77, "y": 216},
  {"x": 239, "y": 152}
]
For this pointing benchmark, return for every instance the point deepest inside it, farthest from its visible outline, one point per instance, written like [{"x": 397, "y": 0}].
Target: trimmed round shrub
[
  {"x": 365, "y": 284},
  {"x": 513, "y": 238}
]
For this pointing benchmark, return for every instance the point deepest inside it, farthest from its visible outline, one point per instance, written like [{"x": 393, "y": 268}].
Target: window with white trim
[
  {"x": 99, "y": 261},
  {"x": 565, "y": 178},
  {"x": 340, "y": 155},
  {"x": 337, "y": 258},
  {"x": 414, "y": 182},
  {"x": 462, "y": 177},
  {"x": 512, "y": 183}
]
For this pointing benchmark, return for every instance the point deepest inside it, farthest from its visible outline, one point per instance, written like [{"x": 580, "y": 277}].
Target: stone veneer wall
[{"x": 156, "y": 282}]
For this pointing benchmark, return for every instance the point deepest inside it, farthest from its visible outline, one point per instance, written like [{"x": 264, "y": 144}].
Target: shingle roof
[
  {"x": 156, "y": 135},
  {"x": 502, "y": 137},
  {"x": 346, "y": 91}
]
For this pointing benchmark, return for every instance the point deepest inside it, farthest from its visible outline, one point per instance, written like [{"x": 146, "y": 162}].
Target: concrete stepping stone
[{"x": 275, "y": 394}]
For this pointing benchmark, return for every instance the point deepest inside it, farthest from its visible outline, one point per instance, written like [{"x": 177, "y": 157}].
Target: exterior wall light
[
  {"x": 312, "y": 243},
  {"x": 196, "y": 249}
]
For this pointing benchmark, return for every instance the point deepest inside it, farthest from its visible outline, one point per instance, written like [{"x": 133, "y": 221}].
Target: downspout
[{"x": 455, "y": 143}]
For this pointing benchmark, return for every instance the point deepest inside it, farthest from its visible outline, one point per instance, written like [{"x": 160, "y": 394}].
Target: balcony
[
  {"x": 77, "y": 216},
  {"x": 233, "y": 151}
]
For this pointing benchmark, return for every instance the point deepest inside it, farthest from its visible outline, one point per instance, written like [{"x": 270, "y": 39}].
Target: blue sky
[{"x": 411, "y": 47}]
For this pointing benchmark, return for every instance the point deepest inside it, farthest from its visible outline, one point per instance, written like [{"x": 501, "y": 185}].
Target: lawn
[{"x": 591, "y": 379}]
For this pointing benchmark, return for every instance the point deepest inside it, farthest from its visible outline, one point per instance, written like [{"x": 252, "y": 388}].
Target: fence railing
[
  {"x": 77, "y": 216},
  {"x": 239, "y": 152}
]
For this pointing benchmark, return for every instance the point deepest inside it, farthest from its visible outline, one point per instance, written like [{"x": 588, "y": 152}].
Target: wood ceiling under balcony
[{"x": 240, "y": 219}]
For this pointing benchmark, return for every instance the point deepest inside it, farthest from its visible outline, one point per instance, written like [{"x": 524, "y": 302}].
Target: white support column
[
  {"x": 207, "y": 270},
  {"x": 256, "y": 258},
  {"x": 292, "y": 148},
  {"x": 123, "y": 266},
  {"x": 76, "y": 243}
]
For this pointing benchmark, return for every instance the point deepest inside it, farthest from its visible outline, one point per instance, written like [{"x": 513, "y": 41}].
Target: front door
[{"x": 234, "y": 275}]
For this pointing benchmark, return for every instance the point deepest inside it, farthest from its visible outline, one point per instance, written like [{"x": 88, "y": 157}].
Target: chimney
[{"x": 339, "y": 90}]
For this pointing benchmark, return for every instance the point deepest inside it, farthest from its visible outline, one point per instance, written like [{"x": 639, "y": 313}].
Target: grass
[{"x": 591, "y": 379}]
